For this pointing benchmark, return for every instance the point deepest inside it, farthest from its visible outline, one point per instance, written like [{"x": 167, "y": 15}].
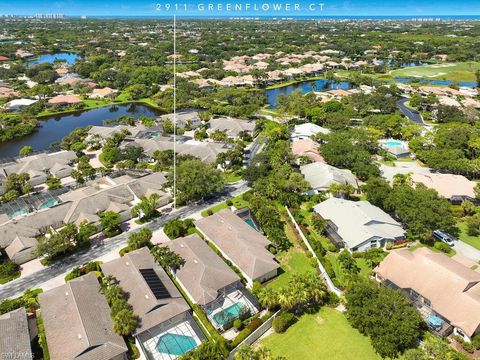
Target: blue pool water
[
  {"x": 228, "y": 314},
  {"x": 250, "y": 222},
  {"x": 69, "y": 58},
  {"x": 435, "y": 321},
  {"x": 19, "y": 212},
  {"x": 393, "y": 143},
  {"x": 48, "y": 204},
  {"x": 175, "y": 344}
]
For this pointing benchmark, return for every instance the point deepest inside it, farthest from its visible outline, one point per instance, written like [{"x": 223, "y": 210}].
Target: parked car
[{"x": 444, "y": 237}]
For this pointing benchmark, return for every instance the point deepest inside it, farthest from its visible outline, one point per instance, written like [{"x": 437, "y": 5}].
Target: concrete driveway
[
  {"x": 466, "y": 250},
  {"x": 413, "y": 115},
  {"x": 402, "y": 167}
]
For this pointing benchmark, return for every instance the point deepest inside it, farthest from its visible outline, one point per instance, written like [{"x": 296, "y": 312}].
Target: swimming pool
[
  {"x": 393, "y": 143},
  {"x": 19, "y": 212},
  {"x": 228, "y": 314},
  {"x": 250, "y": 222},
  {"x": 175, "y": 344},
  {"x": 48, "y": 204}
]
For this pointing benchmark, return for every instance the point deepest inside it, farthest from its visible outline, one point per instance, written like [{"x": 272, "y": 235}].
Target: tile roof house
[
  {"x": 306, "y": 131},
  {"x": 18, "y": 235},
  {"x": 153, "y": 308},
  {"x": 164, "y": 314},
  {"x": 358, "y": 225},
  {"x": 102, "y": 93},
  {"x": 184, "y": 118},
  {"x": 15, "y": 336},
  {"x": 204, "y": 274},
  {"x": 78, "y": 324},
  {"x": 455, "y": 188},
  {"x": 230, "y": 126},
  {"x": 238, "y": 242},
  {"x": 440, "y": 286},
  {"x": 64, "y": 100},
  {"x": 308, "y": 148},
  {"x": 320, "y": 176}
]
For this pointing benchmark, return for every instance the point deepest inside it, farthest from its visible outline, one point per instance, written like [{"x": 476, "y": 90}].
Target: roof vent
[
  {"x": 181, "y": 245},
  {"x": 126, "y": 263},
  {"x": 66, "y": 293},
  {"x": 146, "y": 296},
  {"x": 79, "y": 336},
  {"x": 195, "y": 261}
]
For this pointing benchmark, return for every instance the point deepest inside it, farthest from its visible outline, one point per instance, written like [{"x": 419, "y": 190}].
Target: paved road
[
  {"x": 413, "y": 115},
  {"x": 467, "y": 250},
  {"x": 255, "y": 148},
  {"x": 34, "y": 280}
]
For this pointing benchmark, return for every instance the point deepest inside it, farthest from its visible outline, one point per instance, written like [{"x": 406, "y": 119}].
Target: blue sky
[{"x": 415, "y": 8}]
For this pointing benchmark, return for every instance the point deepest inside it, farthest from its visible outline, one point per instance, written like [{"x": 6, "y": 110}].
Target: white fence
[
  {"x": 323, "y": 272},
  {"x": 255, "y": 335}
]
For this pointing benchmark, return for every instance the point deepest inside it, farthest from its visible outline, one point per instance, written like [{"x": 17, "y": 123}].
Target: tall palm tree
[
  {"x": 125, "y": 322},
  {"x": 268, "y": 297}
]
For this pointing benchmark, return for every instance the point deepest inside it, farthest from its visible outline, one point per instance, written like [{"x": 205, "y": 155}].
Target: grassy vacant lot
[
  {"x": 463, "y": 236},
  {"x": 463, "y": 71},
  {"x": 292, "y": 261},
  {"x": 324, "y": 335}
]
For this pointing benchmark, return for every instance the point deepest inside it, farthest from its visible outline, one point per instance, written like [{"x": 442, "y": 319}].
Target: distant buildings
[
  {"x": 446, "y": 292},
  {"x": 238, "y": 242},
  {"x": 78, "y": 324},
  {"x": 358, "y": 225}
]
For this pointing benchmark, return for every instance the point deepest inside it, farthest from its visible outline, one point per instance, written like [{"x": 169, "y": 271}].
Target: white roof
[
  {"x": 308, "y": 130},
  {"x": 359, "y": 221},
  {"x": 19, "y": 102},
  {"x": 320, "y": 176}
]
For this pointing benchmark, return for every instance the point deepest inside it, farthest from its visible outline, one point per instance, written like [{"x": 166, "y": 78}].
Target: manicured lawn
[
  {"x": 463, "y": 71},
  {"x": 4, "y": 280},
  {"x": 238, "y": 202},
  {"x": 293, "y": 261},
  {"x": 324, "y": 335},
  {"x": 463, "y": 236},
  {"x": 233, "y": 176},
  {"x": 365, "y": 271},
  {"x": 419, "y": 245}
]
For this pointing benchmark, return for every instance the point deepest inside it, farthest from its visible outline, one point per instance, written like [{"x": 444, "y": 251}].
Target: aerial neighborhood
[{"x": 297, "y": 189}]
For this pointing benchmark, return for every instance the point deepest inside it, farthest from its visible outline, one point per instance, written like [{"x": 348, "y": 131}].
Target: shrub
[
  {"x": 467, "y": 346},
  {"x": 254, "y": 324},
  {"x": 283, "y": 321},
  {"x": 237, "y": 324},
  {"x": 229, "y": 202},
  {"x": 242, "y": 335},
  {"x": 442, "y": 247},
  {"x": 209, "y": 212},
  {"x": 476, "y": 341}
]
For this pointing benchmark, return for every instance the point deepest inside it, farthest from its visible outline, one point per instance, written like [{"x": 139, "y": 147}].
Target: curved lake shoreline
[{"x": 53, "y": 128}]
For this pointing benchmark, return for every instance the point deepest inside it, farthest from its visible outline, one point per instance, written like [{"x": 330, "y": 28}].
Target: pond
[
  {"x": 69, "y": 58},
  {"x": 304, "y": 87},
  {"x": 436, "y": 81},
  {"x": 53, "y": 129}
]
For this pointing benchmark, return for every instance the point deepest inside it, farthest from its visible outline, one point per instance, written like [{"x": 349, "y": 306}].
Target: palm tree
[
  {"x": 268, "y": 297},
  {"x": 125, "y": 322},
  {"x": 147, "y": 207}
]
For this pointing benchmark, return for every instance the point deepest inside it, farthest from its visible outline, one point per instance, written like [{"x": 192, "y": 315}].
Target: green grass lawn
[
  {"x": 365, "y": 271},
  {"x": 4, "y": 280},
  {"x": 419, "y": 245},
  {"x": 292, "y": 261},
  {"x": 238, "y": 202},
  {"x": 233, "y": 176},
  {"x": 463, "y": 236},
  {"x": 324, "y": 335},
  {"x": 463, "y": 71}
]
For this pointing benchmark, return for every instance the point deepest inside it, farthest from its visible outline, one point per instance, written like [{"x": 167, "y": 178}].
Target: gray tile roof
[
  {"x": 245, "y": 247},
  {"x": 14, "y": 335},
  {"x": 40, "y": 163},
  {"x": 320, "y": 176},
  {"x": 232, "y": 127},
  {"x": 204, "y": 272},
  {"x": 77, "y": 322},
  {"x": 152, "y": 311},
  {"x": 359, "y": 221}
]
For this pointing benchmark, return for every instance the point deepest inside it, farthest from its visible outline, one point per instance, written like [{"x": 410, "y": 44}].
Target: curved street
[{"x": 412, "y": 114}]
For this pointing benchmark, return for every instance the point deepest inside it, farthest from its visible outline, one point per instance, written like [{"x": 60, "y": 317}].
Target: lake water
[
  {"x": 436, "y": 82},
  {"x": 69, "y": 58},
  {"x": 53, "y": 129},
  {"x": 304, "y": 87}
]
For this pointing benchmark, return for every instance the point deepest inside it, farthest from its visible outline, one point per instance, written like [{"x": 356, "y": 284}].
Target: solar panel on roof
[{"x": 155, "y": 284}]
